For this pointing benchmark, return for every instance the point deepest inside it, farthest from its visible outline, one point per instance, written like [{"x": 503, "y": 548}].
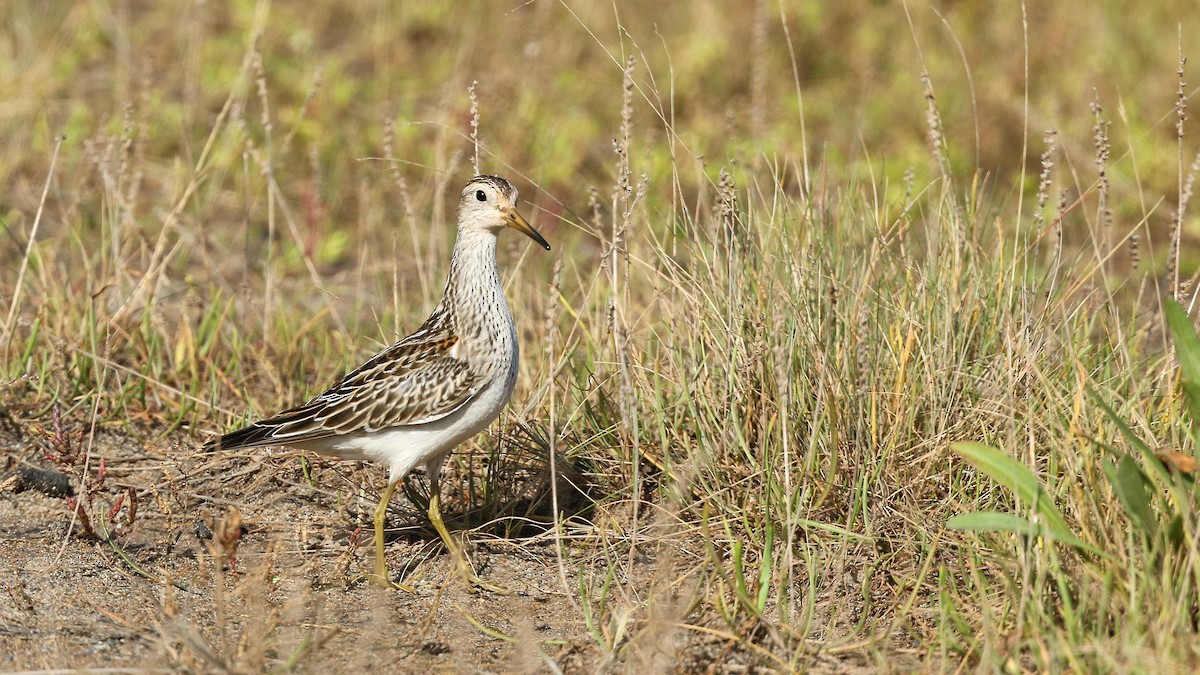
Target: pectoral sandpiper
[{"x": 421, "y": 397}]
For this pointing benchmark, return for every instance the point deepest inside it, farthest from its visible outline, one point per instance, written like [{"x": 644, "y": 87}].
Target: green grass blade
[
  {"x": 1157, "y": 473},
  {"x": 996, "y": 521},
  {"x": 1131, "y": 488},
  {"x": 765, "y": 567},
  {"x": 1126, "y": 431}
]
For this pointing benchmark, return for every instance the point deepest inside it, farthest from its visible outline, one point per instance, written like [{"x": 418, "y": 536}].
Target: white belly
[{"x": 402, "y": 448}]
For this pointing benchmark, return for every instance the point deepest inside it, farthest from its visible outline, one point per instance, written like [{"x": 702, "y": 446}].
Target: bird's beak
[{"x": 516, "y": 222}]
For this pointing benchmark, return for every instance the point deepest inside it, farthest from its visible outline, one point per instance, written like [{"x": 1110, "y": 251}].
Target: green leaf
[
  {"x": 992, "y": 521},
  {"x": 1021, "y": 481},
  {"x": 1175, "y": 531},
  {"x": 1187, "y": 351},
  {"x": 1132, "y": 489},
  {"x": 997, "y": 521},
  {"x": 1015, "y": 476},
  {"x": 1157, "y": 472},
  {"x": 1191, "y": 399},
  {"x": 1187, "y": 344}
]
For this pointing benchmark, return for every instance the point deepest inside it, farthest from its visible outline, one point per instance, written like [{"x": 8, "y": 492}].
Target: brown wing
[{"x": 415, "y": 381}]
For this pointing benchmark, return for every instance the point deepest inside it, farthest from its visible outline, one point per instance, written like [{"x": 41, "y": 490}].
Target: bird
[{"x": 418, "y": 399}]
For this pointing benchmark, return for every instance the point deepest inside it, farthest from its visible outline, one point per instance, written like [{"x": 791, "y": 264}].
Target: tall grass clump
[{"x": 811, "y": 358}]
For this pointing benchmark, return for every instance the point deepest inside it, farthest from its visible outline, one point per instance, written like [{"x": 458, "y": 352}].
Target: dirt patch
[
  {"x": 169, "y": 593},
  {"x": 250, "y": 562}
]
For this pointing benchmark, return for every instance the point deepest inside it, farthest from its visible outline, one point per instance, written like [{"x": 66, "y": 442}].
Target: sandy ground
[
  {"x": 288, "y": 595},
  {"x": 250, "y": 562},
  {"x": 278, "y": 591}
]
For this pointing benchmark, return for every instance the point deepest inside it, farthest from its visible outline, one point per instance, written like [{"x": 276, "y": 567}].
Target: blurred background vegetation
[
  {"x": 723, "y": 78},
  {"x": 810, "y": 213}
]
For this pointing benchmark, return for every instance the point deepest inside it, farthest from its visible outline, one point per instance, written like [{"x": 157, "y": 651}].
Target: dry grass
[{"x": 799, "y": 252}]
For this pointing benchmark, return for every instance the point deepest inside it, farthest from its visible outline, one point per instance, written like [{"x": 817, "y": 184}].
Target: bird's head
[{"x": 489, "y": 203}]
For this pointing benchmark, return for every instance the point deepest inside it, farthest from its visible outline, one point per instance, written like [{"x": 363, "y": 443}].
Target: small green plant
[
  {"x": 1153, "y": 497},
  {"x": 1045, "y": 519}
]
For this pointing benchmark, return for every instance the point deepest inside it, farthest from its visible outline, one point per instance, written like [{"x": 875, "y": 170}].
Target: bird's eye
[{"x": 481, "y": 195}]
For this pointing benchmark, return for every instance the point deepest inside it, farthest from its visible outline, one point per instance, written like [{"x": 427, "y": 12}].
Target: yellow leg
[
  {"x": 381, "y": 572},
  {"x": 457, "y": 557},
  {"x": 380, "y": 577},
  {"x": 435, "y": 517}
]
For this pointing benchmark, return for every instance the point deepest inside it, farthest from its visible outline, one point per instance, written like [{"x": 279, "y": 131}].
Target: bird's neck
[{"x": 473, "y": 280}]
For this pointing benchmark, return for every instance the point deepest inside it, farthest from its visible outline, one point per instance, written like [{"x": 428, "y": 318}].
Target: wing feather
[{"x": 415, "y": 381}]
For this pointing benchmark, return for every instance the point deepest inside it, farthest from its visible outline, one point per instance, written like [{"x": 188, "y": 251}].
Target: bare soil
[{"x": 252, "y": 562}]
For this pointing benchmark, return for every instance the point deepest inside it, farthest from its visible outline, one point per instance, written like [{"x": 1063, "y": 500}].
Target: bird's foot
[{"x": 473, "y": 582}]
